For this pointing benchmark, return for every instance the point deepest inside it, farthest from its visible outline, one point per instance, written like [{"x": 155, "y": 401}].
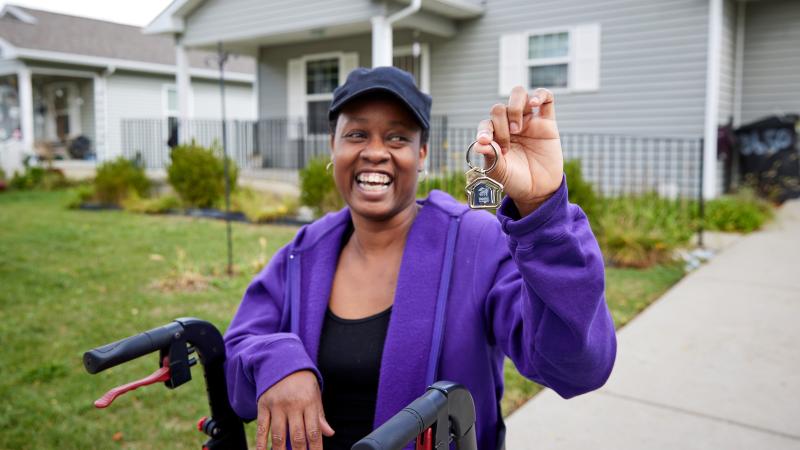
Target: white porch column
[
  {"x": 381, "y": 42},
  {"x": 712, "y": 99},
  {"x": 25, "y": 107},
  {"x": 183, "y": 84}
]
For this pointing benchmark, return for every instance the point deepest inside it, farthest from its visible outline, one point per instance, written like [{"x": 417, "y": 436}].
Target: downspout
[
  {"x": 382, "y": 42},
  {"x": 712, "y": 99}
]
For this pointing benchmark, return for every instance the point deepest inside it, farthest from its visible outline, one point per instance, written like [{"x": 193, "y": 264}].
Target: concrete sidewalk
[{"x": 713, "y": 364}]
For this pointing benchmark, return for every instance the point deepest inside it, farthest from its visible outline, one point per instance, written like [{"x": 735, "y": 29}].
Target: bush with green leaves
[
  {"x": 453, "y": 183},
  {"x": 116, "y": 180},
  {"x": 742, "y": 212},
  {"x": 262, "y": 207},
  {"x": 317, "y": 188},
  {"x": 198, "y": 174},
  {"x": 581, "y": 192},
  {"x": 43, "y": 178},
  {"x": 156, "y": 205},
  {"x": 643, "y": 230}
]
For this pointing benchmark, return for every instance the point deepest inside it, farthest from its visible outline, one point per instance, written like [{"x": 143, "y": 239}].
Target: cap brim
[{"x": 337, "y": 107}]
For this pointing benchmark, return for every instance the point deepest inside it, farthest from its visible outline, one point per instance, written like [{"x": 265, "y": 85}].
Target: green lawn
[{"x": 71, "y": 280}]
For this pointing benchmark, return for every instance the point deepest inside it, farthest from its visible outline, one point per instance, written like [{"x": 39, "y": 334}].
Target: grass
[{"x": 72, "y": 280}]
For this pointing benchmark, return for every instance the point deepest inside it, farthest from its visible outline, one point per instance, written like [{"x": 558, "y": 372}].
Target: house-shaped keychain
[{"x": 484, "y": 193}]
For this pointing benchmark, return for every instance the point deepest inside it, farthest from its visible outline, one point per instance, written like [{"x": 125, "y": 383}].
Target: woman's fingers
[
  {"x": 278, "y": 430},
  {"x": 262, "y": 432},
  {"x": 499, "y": 116},
  {"x": 517, "y": 104},
  {"x": 313, "y": 428},
  {"x": 327, "y": 429},
  {"x": 297, "y": 431},
  {"x": 543, "y": 99}
]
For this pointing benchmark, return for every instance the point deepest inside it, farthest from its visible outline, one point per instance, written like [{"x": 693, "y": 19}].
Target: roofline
[
  {"x": 170, "y": 20},
  {"x": 18, "y": 13},
  {"x": 123, "y": 64}
]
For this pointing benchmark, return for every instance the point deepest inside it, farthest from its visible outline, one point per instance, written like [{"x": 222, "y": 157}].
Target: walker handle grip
[{"x": 124, "y": 350}]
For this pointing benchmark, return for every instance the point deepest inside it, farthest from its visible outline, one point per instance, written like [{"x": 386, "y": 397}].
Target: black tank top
[{"x": 350, "y": 361}]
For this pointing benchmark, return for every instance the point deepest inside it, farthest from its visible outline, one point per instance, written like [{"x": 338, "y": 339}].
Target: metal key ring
[{"x": 496, "y": 157}]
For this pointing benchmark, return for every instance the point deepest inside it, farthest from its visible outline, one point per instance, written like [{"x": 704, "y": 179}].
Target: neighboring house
[
  {"x": 674, "y": 68},
  {"x": 64, "y": 77}
]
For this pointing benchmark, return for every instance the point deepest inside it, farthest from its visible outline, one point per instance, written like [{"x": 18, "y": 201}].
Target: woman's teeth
[{"x": 373, "y": 181}]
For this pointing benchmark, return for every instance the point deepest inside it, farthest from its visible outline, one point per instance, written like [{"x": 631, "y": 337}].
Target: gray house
[
  {"x": 665, "y": 68},
  {"x": 64, "y": 77}
]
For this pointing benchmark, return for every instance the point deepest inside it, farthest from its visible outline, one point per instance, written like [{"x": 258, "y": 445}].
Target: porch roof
[{"x": 49, "y": 34}]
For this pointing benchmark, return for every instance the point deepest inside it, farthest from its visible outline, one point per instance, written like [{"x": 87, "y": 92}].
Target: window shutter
[
  {"x": 348, "y": 62},
  {"x": 585, "y": 71},
  {"x": 512, "y": 62},
  {"x": 296, "y": 89}
]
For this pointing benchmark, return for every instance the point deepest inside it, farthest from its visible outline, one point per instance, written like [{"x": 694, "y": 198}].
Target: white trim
[
  {"x": 19, "y": 14},
  {"x": 25, "y": 93},
  {"x": 124, "y": 64},
  {"x": 101, "y": 125},
  {"x": 424, "y": 60},
  {"x": 165, "y": 111},
  {"x": 61, "y": 72},
  {"x": 712, "y": 98},
  {"x": 534, "y": 62},
  {"x": 738, "y": 71}
]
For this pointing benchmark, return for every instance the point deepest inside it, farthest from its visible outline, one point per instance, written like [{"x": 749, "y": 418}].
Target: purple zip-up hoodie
[{"x": 472, "y": 289}]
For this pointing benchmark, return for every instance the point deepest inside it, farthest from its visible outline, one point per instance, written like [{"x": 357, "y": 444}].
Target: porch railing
[{"x": 615, "y": 164}]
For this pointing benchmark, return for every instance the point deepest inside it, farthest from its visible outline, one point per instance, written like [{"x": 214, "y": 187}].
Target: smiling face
[{"x": 377, "y": 155}]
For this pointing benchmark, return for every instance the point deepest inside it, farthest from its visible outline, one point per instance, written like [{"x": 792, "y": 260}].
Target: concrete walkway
[{"x": 713, "y": 364}]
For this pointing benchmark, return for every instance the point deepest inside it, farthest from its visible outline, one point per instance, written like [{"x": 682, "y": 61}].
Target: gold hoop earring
[{"x": 329, "y": 166}]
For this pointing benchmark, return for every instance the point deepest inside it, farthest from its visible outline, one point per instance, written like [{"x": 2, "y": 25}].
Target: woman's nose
[{"x": 375, "y": 151}]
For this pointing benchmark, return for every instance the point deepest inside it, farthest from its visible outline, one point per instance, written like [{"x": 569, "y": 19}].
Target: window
[
  {"x": 322, "y": 77},
  {"x": 548, "y": 60},
  {"x": 566, "y": 58}
]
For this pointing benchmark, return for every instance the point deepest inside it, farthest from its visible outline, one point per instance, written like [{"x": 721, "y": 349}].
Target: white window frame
[
  {"x": 569, "y": 59},
  {"x": 165, "y": 111},
  {"x": 425, "y": 63},
  {"x": 319, "y": 97}
]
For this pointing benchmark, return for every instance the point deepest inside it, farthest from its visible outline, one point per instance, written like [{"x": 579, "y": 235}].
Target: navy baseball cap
[{"x": 392, "y": 80}]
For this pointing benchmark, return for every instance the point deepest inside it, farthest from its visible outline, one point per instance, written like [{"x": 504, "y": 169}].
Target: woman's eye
[
  {"x": 398, "y": 139},
  {"x": 355, "y": 135}
]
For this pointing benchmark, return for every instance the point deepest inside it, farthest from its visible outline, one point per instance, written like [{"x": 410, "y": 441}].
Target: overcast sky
[{"x": 131, "y": 12}]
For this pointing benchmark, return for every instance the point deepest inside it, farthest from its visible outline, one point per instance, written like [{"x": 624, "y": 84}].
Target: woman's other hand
[
  {"x": 296, "y": 401},
  {"x": 531, "y": 163}
]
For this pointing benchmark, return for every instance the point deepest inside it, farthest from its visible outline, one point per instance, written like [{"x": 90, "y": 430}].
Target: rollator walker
[{"x": 444, "y": 414}]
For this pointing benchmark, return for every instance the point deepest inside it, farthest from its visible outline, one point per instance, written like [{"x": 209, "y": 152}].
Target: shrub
[
  {"x": 453, "y": 183},
  {"x": 39, "y": 178},
  {"x": 581, "y": 192},
  {"x": 742, "y": 212},
  {"x": 116, "y": 180},
  {"x": 317, "y": 188},
  {"x": 262, "y": 207},
  {"x": 643, "y": 230},
  {"x": 157, "y": 205},
  {"x": 198, "y": 175},
  {"x": 82, "y": 194}
]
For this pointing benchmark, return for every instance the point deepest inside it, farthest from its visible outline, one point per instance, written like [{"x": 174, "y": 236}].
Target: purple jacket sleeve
[
  {"x": 257, "y": 354},
  {"x": 546, "y": 307}
]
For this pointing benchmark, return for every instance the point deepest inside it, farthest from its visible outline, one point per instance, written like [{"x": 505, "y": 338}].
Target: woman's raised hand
[
  {"x": 296, "y": 401},
  {"x": 531, "y": 164}
]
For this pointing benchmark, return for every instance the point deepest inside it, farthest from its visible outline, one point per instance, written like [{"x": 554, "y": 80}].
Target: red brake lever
[
  {"x": 425, "y": 440},
  {"x": 162, "y": 374}
]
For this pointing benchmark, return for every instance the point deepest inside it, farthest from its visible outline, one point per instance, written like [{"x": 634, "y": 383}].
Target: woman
[{"x": 366, "y": 307}]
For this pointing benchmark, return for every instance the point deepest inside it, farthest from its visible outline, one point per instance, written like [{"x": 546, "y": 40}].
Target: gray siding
[
  {"x": 771, "y": 79},
  {"x": 87, "y": 110},
  {"x": 135, "y": 96},
  {"x": 727, "y": 80},
  {"x": 652, "y": 64},
  {"x": 231, "y": 19},
  {"x": 273, "y": 62}
]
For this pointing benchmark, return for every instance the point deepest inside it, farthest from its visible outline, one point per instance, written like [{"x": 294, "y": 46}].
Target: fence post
[{"x": 701, "y": 213}]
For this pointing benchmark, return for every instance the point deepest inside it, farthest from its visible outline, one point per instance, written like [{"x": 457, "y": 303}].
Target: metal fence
[{"x": 615, "y": 164}]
